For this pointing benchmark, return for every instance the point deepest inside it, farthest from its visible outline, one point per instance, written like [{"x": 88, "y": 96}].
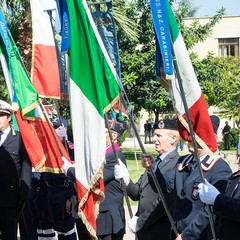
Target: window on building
[{"x": 228, "y": 47}]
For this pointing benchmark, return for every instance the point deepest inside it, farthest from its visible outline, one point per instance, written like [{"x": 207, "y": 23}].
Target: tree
[
  {"x": 17, "y": 15},
  {"x": 138, "y": 64},
  {"x": 137, "y": 51},
  {"x": 219, "y": 79}
]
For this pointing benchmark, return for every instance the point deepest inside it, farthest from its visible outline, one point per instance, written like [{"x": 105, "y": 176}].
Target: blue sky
[{"x": 209, "y": 7}]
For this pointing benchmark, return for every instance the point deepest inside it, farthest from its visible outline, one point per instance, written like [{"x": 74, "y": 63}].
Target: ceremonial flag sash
[
  {"x": 65, "y": 25},
  {"x": 160, "y": 21}
]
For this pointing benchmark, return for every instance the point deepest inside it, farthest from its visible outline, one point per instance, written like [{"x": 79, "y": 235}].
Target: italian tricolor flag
[
  {"x": 195, "y": 100},
  {"x": 45, "y": 71},
  {"x": 38, "y": 136},
  {"x": 93, "y": 90}
]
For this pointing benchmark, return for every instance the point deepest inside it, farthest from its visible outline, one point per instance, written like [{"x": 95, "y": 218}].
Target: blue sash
[{"x": 160, "y": 21}]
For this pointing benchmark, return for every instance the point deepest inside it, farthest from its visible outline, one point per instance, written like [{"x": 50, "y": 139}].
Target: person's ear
[{"x": 9, "y": 118}]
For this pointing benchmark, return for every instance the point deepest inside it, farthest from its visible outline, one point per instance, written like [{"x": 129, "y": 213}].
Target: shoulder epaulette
[
  {"x": 236, "y": 174},
  {"x": 13, "y": 131},
  {"x": 184, "y": 161},
  {"x": 208, "y": 162}
]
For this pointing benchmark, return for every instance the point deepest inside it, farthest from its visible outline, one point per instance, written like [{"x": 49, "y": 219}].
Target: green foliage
[
  {"x": 219, "y": 80},
  {"x": 141, "y": 85},
  {"x": 3, "y": 89},
  {"x": 234, "y": 136},
  {"x": 185, "y": 9},
  {"x": 15, "y": 11},
  {"x": 123, "y": 137},
  {"x": 122, "y": 10},
  {"x": 138, "y": 57}
]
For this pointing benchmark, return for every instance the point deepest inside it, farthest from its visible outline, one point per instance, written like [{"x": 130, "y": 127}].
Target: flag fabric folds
[
  {"x": 93, "y": 89},
  {"x": 195, "y": 100},
  {"x": 45, "y": 72},
  {"x": 38, "y": 138},
  {"x": 37, "y": 135}
]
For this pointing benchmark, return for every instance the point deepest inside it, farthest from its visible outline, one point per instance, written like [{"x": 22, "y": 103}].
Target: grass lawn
[
  {"x": 133, "y": 158},
  {"x": 134, "y": 166}
]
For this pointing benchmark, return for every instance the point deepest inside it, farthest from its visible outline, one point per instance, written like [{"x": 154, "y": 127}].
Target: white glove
[
  {"x": 62, "y": 132},
  {"x": 132, "y": 224},
  {"x": 207, "y": 192},
  {"x": 66, "y": 165},
  {"x": 120, "y": 171}
]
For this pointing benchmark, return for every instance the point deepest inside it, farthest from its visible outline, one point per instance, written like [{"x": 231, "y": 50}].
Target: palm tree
[{"x": 18, "y": 16}]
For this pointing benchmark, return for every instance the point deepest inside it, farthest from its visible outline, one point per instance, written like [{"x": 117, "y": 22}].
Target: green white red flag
[
  {"x": 197, "y": 107},
  {"x": 36, "y": 133},
  {"x": 93, "y": 90},
  {"x": 45, "y": 72}
]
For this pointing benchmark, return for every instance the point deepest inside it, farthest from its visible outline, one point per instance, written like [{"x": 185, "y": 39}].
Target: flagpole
[
  {"x": 156, "y": 183},
  {"x": 117, "y": 161},
  {"x": 49, "y": 124},
  {"x": 49, "y": 12},
  {"x": 196, "y": 154},
  {"x": 61, "y": 124}
]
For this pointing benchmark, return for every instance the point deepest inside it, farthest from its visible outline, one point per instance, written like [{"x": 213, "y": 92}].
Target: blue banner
[
  {"x": 65, "y": 24},
  {"x": 104, "y": 21},
  {"x": 159, "y": 60},
  {"x": 4, "y": 33},
  {"x": 160, "y": 21}
]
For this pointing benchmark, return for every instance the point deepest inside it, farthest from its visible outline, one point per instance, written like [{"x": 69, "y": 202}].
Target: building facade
[{"x": 224, "y": 40}]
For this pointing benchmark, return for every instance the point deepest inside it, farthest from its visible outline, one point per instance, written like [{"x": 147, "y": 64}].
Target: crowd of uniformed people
[{"x": 42, "y": 204}]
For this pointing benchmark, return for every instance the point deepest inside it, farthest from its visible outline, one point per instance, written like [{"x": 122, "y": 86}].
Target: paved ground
[{"x": 129, "y": 235}]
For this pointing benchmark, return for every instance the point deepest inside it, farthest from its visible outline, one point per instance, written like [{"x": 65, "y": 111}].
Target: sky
[{"x": 209, "y": 7}]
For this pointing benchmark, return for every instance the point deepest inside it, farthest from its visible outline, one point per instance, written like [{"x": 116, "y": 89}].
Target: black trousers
[
  {"x": 8, "y": 223},
  {"x": 82, "y": 230},
  {"x": 26, "y": 226},
  {"x": 111, "y": 237}
]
